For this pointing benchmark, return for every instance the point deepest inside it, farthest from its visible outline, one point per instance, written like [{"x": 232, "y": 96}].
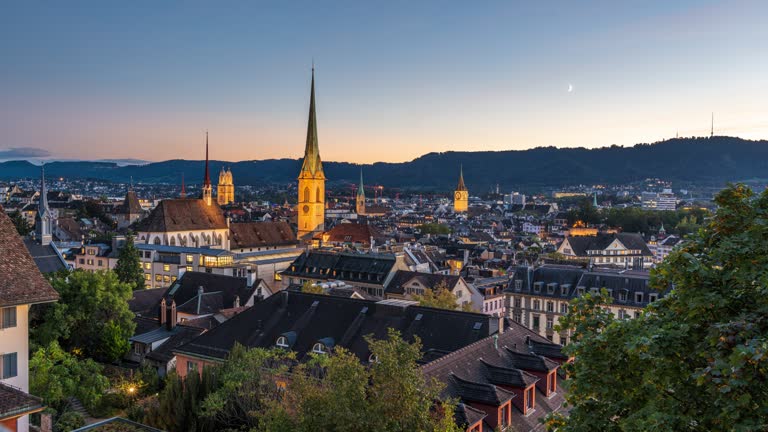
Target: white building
[{"x": 21, "y": 286}]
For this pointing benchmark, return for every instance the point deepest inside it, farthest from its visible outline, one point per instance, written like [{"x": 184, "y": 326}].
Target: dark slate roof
[
  {"x": 208, "y": 303},
  {"x": 130, "y": 204},
  {"x": 466, "y": 416},
  {"x": 531, "y": 362},
  {"x": 183, "y": 215},
  {"x": 144, "y": 324},
  {"x": 181, "y": 334},
  {"x": 508, "y": 375},
  {"x": 14, "y": 402},
  {"x": 547, "y": 350},
  {"x": 581, "y": 244},
  {"x": 186, "y": 288},
  {"x": 261, "y": 234},
  {"x": 429, "y": 280},
  {"x": 342, "y": 266},
  {"x": 307, "y": 318},
  {"x": 117, "y": 424},
  {"x": 146, "y": 302},
  {"x": 46, "y": 258},
  {"x": 480, "y": 392},
  {"x": 21, "y": 282}
]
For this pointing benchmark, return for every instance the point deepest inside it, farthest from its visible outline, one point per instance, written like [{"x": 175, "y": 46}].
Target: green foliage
[
  {"x": 128, "y": 267},
  {"x": 56, "y": 375},
  {"x": 20, "y": 222},
  {"x": 440, "y": 297},
  {"x": 696, "y": 359},
  {"x": 434, "y": 228},
  {"x": 311, "y": 288},
  {"x": 69, "y": 421},
  {"x": 91, "y": 316}
]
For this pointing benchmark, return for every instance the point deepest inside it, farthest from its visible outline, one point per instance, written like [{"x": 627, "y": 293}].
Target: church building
[
  {"x": 461, "y": 195},
  {"x": 225, "y": 192},
  {"x": 360, "y": 198},
  {"x": 311, "y": 207}
]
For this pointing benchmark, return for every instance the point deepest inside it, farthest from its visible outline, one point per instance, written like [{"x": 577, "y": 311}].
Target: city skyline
[{"x": 145, "y": 81}]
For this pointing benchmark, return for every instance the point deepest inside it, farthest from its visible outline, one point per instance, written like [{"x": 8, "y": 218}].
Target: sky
[{"x": 394, "y": 79}]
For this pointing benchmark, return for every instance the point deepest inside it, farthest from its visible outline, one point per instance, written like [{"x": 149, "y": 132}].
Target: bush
[
  {"x": 115, "y": 400},
  {"x": 68, "y": 421},
  {"x": 103, "y": 409}
]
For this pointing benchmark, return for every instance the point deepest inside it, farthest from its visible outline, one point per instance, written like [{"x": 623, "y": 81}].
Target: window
[
  {"x": 551, "y": 288},
  {"x": 166, "y": 267},
  {"x": 638, "y": 297},
  {"x": 537, "y": 286},
  {"x": 8, "y": 317},
  {"x": 90, "y": 262},
  {"x": 158, "y": 278},
  {"x": 518, "y": 302},
  {"x": 9, "y": 365},
  {"x": 191, "y": 366},
  {"x": 190, "y": 259},
  {"x": 147, "y": 276},
  {"x": 517, "y": 317},
  {"x": 652, "y": 298},
  {"x": 306, "y": 194},
  {"x": 505, "y": 420},
  {"x": 100, "y": 264},
  {"x": 623, "y": 295},
  {"x": 535, "y": 322},
  {"x": 148, "y": 266},
  {"x": 550, "y": 324},
  {"x": 166, "y": 278},
  {"x": 518, "y": 285},
  {"x": 282, "y": 342},
  {"x": 580, "y": 290},
  {"x": 529, "y": 400},
  {"x": 552, "y": 383},
  {"x": 536, "y": 305},
  {"x": 459, "y": 294},
  {"x": 550, "y": 306},
  {"x": 189, "y": 268},
  {"x": 82, "y": 261},
  {"x": 319, "y": 348},
  {"x": 563, "y": 308},
  {"x": 138, "y": 349}
]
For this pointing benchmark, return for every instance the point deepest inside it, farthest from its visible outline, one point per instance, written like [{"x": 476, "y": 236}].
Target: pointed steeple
[
  {"x": 461, "y": 186},
  {"x": 312, "y": 164},
  {"x": 361, "y": 188},
  {"x": 183, "y": 193},
  {"x": 44, "y": 218},
  {"x": 207, "y": 181},
  {"x": 594, "y": 199}
]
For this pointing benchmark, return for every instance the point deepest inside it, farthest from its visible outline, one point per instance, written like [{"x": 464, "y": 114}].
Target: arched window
[
  {"x": 157, "y": 240},
  {"x": 306, "y": 194},
  {"x": 173, "y": 241},
  {"x": 317, "y": 195},
  {"x": 319, "y": 348},
  {"x": 282, "y": 342}
]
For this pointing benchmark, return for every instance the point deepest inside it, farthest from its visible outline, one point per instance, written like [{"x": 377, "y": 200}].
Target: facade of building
[
  {"x": 225, "y": 191},
  {"x": 21, "y": 286},
  {"x": 539, "y": 297},
  {"x": 311, "y": 207},
  {"x": 407, "y": 284},
  {"x": 129, "y": 211},
  {"x": 621, "y": 250},
  {"x": 461, "y": 195}
]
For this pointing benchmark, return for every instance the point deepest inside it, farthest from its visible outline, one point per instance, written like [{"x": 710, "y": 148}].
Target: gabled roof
[
  {"x": 261, "y": 234},
  {"x": 130, "y": 204},
  {"x": 484, "y": 393},
  {"x": 465, "y": 415},
  {"x": 185, "y": 289},
  {"x": 428, "y": 280},
  {"x": 531, "y": 362},
  {"x": 46, "y": 258},
  {"x": 354, "y": 233},
  {"x": 21, "y": 282},
  {"x": 15, "y": 403},
  {"x": 342, "y": 266},
  {"x": 184, "y": 215},
  {"x": 308, "y": 318},
  {"x": 581, "y": 244}
]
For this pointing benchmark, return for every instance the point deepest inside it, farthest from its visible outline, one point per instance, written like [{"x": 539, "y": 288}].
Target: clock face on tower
[
  {"x": 458, "y": 195},
  {"x": 306, "y": 209}
]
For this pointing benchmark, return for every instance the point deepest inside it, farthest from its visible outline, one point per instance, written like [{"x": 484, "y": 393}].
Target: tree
[
  {"x": 434, "y": 228},
  {"x": 128, "y": 267},
  {"x": 56, "y": 375},
  {"x": 441, "y": 297},
  {"x": 695, "y": 360},
  {"x": 91, "y": 316},
  {"x": 21, "y": 224},
  {"x": 312, "y": 288}
]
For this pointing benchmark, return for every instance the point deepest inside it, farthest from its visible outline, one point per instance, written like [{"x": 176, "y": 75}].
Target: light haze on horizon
[{"x": 394, "y": 80}]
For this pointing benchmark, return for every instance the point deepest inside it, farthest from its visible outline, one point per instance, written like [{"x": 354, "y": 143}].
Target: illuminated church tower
[
  {"x": 207, "y": 189},
  {"x": 461, "y": 196},
  {"x": 311, "y": 208},
  {"x": 225, "y": 191},
  {"x": 360, "y": 198}
]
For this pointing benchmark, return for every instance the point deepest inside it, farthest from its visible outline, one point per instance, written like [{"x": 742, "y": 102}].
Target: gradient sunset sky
[{"x": 395, "y": 79}]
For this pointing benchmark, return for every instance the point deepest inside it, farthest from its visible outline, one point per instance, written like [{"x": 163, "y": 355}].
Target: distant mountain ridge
[{"x": 708, "y": 160}]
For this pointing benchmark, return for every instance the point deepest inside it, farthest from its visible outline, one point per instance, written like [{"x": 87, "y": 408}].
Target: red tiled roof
[
  {"x": 261, "y": 234},
  {"x": 21, "y": 281},
  {"x": 184, "y": 215},
  {"x": 353, "y": 233}
]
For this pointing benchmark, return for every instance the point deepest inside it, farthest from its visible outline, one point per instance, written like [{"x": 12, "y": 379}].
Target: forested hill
[{"x": 706, "y": 160}]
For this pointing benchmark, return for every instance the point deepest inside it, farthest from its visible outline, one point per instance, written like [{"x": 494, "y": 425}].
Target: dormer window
[
  {"x": 652, "y": 297},
  {"x": 580, "y": 290},
  {"x": 564, "y": 290},
  {"x": 623, "y": 295},
  {"x": 373, "y": 358},
  {"x": 638, "y": 297},
  {"x": 551, "y": 288},
  {"x": 319, "y": 348},
  {"x": 518, "y": 285},
  {"x": 282, "y": 342},
  {"x": 537, "y": 286}
]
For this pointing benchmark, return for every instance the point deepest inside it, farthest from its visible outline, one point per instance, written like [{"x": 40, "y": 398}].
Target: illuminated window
[
  {"x": 189, "y": 268},
  {"x": 158, "y": 278},
  {"x": 190, "y": 259},
  {"x": 166, "y": 267},
  {"x": 166, "y": 278},
  {"x": 148, "y": 266},
  {"x": 147, "y": 276}
]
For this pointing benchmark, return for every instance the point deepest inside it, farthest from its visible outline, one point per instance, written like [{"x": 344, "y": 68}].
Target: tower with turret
[
  {"x": 461, "y": 195},
  {"x": 311, "y": 207},
  {"x": 360, "y": 197},
  {"x": 225, "y": 191}
]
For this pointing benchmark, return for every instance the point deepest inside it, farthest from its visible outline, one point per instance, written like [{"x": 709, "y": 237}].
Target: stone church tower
[
  {"x": 225, "y": 191},
  {"x": 461, "y": 195},
  {"x": 360, "y": 198},
  {"x": 311, "y": 208}
]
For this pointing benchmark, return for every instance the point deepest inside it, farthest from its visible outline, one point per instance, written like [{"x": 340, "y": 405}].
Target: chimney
[
  {"x": 162, "y": 311},
  {"x": 170, "y": 310},
  {"x": 501, "y": 323}
]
